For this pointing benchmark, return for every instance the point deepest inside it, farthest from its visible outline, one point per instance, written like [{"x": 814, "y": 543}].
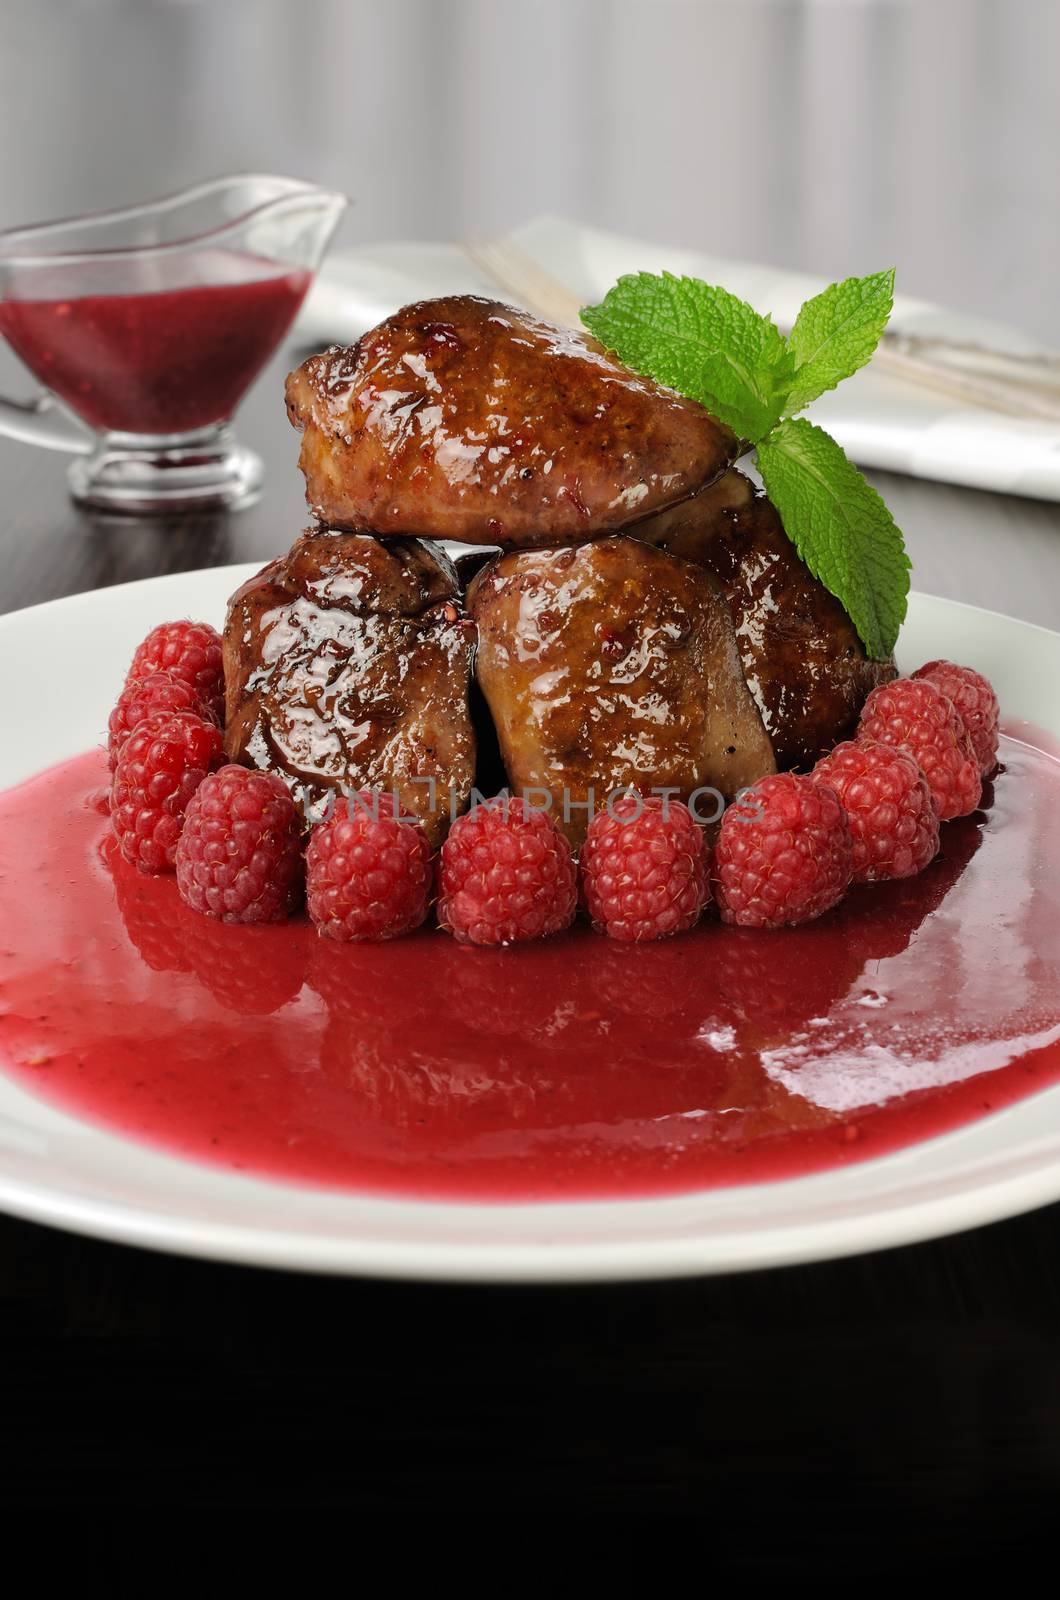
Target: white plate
[{"x": 58, "y": 1170}]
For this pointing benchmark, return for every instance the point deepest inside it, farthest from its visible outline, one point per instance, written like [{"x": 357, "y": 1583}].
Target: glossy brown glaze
[
  {"x": 347, "y": 665},
  {"x": 465, "y": 419},
  {"x": 802, "y": 657},
  {"x": 613, "y": 665}
]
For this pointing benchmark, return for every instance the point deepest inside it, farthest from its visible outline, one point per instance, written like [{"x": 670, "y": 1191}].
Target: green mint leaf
[
  {"x": 702, "y": 341},
  {"x": 835, "y": 333},
  {"x": 840, "y": 527}
]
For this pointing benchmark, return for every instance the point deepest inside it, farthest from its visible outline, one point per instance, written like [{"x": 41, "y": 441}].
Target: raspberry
[
  {"x": 159, "y": 691},
  {"x": 892, "y": 816},
  {"x": 191, "y": 651},
  {"x": 976, "y": 702},
  {"x": 506, "y": 874},
  {"x": 240, "y": 853},
  {"x": 162, "y": 763},
  {"x": 915, "y": 716},
  {"x": 368, "y": 873},
  {"x": 784, "y": 853},
  {"x": 644, "y": 869}
]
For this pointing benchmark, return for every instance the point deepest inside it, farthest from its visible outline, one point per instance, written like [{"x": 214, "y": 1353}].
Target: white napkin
[{"x": 881, "y": 420}]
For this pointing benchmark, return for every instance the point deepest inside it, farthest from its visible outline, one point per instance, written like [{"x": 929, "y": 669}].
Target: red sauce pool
[
  {"x": 156, "y": 344},
  {"x": 574, "y": 1068}
]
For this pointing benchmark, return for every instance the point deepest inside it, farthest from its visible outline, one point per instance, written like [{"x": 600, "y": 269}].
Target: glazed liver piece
[
  {"x": 802, "y": 657},
  {"x": 347, "y": 664},
  {"x": 613, "y": 665},
  {"x": 464, "y": 419}
]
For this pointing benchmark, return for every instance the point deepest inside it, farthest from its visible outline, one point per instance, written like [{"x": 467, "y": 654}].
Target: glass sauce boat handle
[{"x": 44, "y": 421}]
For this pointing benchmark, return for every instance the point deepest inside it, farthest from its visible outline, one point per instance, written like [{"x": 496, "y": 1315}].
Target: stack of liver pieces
[{"x": 631, "y": 614}]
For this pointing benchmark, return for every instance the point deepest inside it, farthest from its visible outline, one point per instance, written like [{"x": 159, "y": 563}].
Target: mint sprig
[
  {"x": 840, "y": 527},
  {"x": 704, "y": 342},
  {"x": 715, "y": 348},
  {"x": 835, "y": 333}
]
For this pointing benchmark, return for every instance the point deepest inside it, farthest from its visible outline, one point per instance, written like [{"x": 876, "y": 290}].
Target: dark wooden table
[{"x": 833, "y": 1413}]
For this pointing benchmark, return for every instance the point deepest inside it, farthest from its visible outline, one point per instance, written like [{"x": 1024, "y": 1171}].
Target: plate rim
[{"x": 556, "y": 1262}]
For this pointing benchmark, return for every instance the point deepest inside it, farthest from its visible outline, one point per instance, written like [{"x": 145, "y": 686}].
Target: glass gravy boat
[{"x": 147, "y": 325}]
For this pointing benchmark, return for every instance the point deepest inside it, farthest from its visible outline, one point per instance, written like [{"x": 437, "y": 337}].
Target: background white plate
[{"x": 62, "y": 664}]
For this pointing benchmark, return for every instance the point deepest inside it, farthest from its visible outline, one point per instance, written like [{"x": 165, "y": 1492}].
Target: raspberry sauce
[
  {"x": 574, "y": 1068},
  {"x": 158, "y": 345}
]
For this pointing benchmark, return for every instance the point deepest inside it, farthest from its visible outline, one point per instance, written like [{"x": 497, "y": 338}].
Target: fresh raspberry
[
  {"x": 191, "y": 651},
  {"x": 240, "y": 853},
  {"x": 506, "y": 874},
  {"x": 784, "y": 853},
  {"x": 368, "y": 872},
  {"x": 892, "y": 816},
  {"x": 644, "y": 869},
  {"x": 914, "y": 715},
  {"x": 141, "y": 697},
  {"x": 976, "y": 702},
  {"x": 162, "y": 763}
]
